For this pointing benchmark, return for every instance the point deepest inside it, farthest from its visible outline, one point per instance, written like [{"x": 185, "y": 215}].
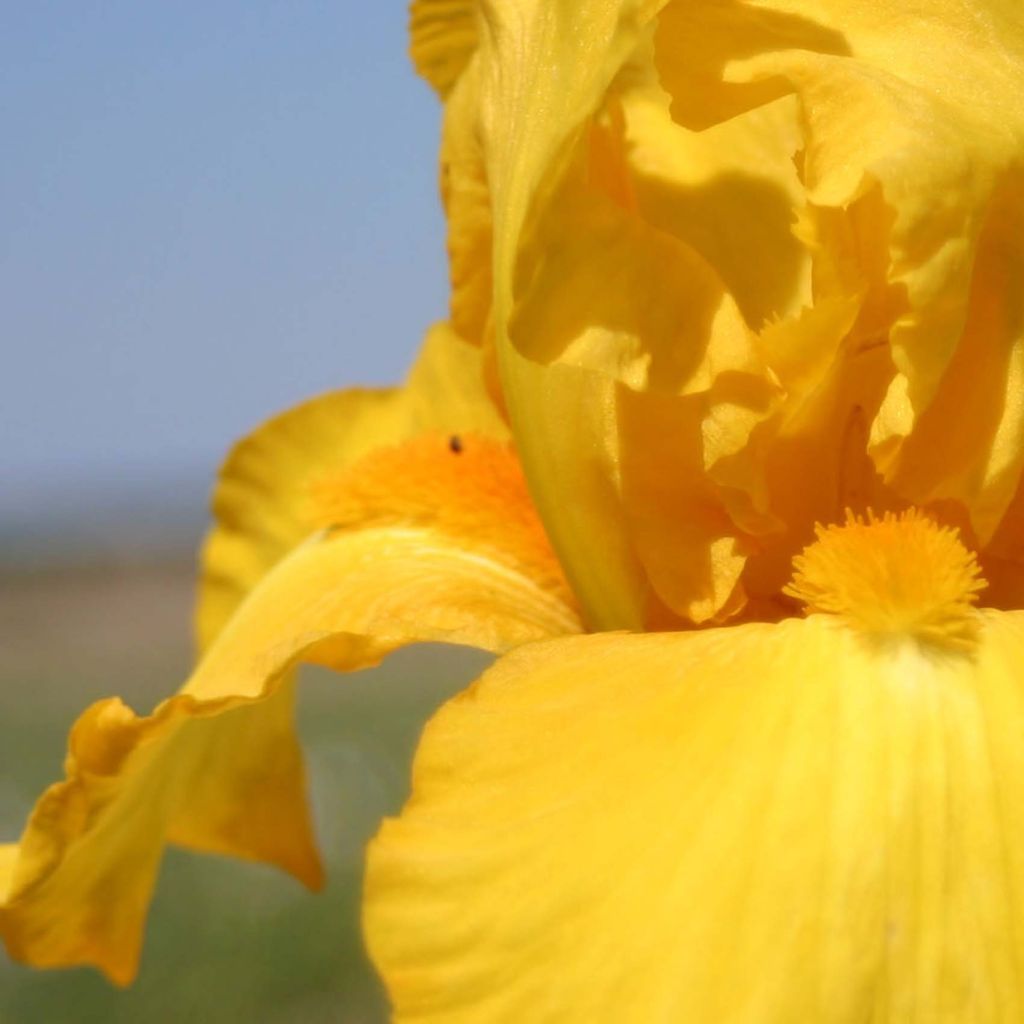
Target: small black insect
[{"x": 455, "y": 444}]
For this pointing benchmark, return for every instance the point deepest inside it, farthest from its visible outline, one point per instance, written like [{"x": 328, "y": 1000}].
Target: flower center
[{"x": 895, "y": 576}]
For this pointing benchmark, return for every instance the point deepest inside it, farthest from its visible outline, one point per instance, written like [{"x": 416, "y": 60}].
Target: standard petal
[
  {"x": 757, "y": 824},
  {"x": 728, "y": 191},
  {"x": 261, "y": 501},
  {"x": 455, "y": 554},
  {"x": 442, "y": 37},
  {"x": 637, "y": 323},
  {"x": 912, "y": 155},
  {"x": 467, "y": 204},
  {"x": 979, "y": 461},
  {"x": 548, "y": 66},
  {"x": 690, "y": 548},
  {"x": 587, "y": 281},
  {"x": 544, "y": 71}
]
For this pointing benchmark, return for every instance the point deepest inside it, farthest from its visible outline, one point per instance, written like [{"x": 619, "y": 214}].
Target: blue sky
[{"x": 210, "y": 211}]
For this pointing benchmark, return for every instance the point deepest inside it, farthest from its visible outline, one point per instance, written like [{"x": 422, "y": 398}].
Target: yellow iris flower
[{"x": 721, "y": 269}]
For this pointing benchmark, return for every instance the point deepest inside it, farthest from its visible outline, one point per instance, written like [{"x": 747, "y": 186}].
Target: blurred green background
[{"x": 226, "y": 941}]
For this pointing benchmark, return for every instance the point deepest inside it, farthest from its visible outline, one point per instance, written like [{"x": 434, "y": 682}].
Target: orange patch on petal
[{"x": 466, "y": 486}]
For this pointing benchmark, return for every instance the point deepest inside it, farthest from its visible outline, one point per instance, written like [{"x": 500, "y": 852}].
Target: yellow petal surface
[
  {"x": 759, "y": 824},
  {"x": 577, "y": 481},
  {"x": 217, "y": 767},
  {"x": 261, "y": 499}
]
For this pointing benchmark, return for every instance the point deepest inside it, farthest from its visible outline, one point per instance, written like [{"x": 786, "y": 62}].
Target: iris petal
[
  {"x": 754, "y": 824},
  {"x": 913, "y": 144},
  {"x": 442, "y": 37}
]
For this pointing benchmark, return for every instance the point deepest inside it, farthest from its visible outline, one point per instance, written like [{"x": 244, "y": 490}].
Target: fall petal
[
  {"x": 760, "y": 823},
  {"x": 427, "y": 543}
]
